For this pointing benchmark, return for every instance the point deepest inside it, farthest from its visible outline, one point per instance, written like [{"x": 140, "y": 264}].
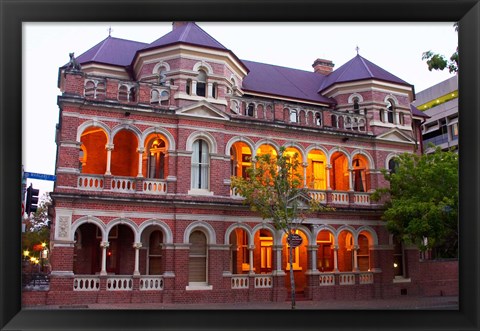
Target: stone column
[
  {"x": 335, "y": 258},
  {"x": 355, "y": 262},
  {"x": 104, "y": 245},
  {"x": 313, "y": 254},
  {"x": 350, "y": 179},
  {"x": 329, "y": 166},
  {"x": 109, "y": 149},
  {"x": 251, "y": 248},
  {"x": 140, "y": 151},
  {"x": 194, "y": 87},
  {"x": 137, "y": 247},
  {"x": 305, "y": 165},
  {"x": 209, "y": 90}
]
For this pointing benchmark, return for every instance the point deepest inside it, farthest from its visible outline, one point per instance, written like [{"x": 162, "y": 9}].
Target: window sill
[
  {"x": 194, "y": 287},
  {"x": 400, "y": 279},
  {"x": 196, "y": 191}
]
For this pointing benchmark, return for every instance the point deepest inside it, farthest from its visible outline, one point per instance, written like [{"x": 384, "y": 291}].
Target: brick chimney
[
  {"x": 324, "y": 67},
  {"x": 178, "y": 24}
]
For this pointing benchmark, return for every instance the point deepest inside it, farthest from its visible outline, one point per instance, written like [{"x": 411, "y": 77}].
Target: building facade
[
  {"x": 149, "y": 136},
  {"x": 440, "y": 103}
]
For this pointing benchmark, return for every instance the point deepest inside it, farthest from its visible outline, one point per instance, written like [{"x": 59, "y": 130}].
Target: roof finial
[
  {"x": 357, "y": 49},
  {"x": 110, "y": 30}
]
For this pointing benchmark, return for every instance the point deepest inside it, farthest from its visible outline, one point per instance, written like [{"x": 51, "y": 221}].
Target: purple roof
[
  {"x": 190, "y": 33},
  {"x": 114, "y": 51},
  {"x": 359, "y": 68},
  {"x": 417, "y": 112},
  {"x": 282, "y": 81}
]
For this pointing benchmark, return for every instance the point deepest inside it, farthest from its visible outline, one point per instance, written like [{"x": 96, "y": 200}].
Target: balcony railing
[{"x": 122, "y": 184}]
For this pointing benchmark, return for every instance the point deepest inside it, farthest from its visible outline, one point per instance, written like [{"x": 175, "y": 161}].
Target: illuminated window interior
[{"x": 316, "y": 170}]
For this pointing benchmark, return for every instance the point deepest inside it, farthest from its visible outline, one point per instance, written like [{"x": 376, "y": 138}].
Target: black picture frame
[{"x": 13, "y": 13}]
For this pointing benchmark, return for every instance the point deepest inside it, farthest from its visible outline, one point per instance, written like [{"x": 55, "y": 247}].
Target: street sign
[
  {"x": 294, "y": 240},
  {"x": 35, "y": 175}
]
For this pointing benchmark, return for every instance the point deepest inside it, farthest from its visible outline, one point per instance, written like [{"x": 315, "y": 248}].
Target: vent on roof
[{"x": 322, "y": 66}]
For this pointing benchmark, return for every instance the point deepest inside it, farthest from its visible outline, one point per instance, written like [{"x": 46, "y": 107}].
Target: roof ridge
[
  {"x": 101, "y": 47},
  {"x": 185, "y": 32},
  {"x": 366, "y": 66}
]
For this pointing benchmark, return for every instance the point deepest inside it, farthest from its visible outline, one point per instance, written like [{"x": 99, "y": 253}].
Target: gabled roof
[
  {"x": 282, "y": 81},
  {"x": 356, "y": 69},
  {"x": 113, "y": 51},
  {"x": 189, "y": 33}
]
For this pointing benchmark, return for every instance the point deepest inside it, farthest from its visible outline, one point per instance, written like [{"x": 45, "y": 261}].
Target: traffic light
[{"x": 32, "y": 200}]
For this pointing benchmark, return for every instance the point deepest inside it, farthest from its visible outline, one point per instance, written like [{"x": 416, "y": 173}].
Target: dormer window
[{"x": 201, "y": 83}]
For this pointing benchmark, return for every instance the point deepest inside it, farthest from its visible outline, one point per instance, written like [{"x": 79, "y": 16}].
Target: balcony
[{"x": 101, "y": 183}]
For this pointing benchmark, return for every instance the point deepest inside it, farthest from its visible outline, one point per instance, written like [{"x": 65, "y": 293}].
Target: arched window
[
  {"x": 197, "y": 259},
  {"x": 200, "y": 165},
  {"x": 392, "y": 165},
  {"x": 356, "y": 106},
  {"x": 156, "y": 159},
  {"x": 318, "y": 119},
  {"x": 334, "y": 121},
  {"x": 155, "y": 253},
  {"x": 201, "y": 83},
  {"x": 293, "y": 116},
  {"x": 390, "y": 111},
  {"x": 123, "y": 93},
  {"x": 363, "y": 253},
  {"x": 164, "y": 98},
  {"x": 250, "y": 110}
]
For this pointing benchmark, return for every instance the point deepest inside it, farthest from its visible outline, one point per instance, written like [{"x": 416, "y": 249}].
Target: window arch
[
  {"x": 200, "y": 165},
  {"x": 318, "y": 119},
  {"x": 356, "y": 106},
  {"x": 293, "y": 116},
  {"x": 250, "y": 110}
]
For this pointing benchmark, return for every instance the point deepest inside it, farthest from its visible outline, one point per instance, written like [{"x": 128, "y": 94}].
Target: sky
[{"x": 396, "y": 47}]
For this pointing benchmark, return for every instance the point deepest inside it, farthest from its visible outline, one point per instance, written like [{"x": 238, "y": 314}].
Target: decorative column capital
[
  {"x": 137, "y": 245},
  {"x": 335, "y": 247},
  {"x": 109, "y": 147},
  {"x": 356, "y": 247},
  {"x": 104, "y": 244},
  {"x": 141, "y": 150}
]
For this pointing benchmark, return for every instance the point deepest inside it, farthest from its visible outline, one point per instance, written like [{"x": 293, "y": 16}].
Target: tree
[
  {"x": 37, "y": 229},
  {"x": 439, "y": 62},
  {"x": 274, "y": 188},
  {"x": 422, "y": 201}
]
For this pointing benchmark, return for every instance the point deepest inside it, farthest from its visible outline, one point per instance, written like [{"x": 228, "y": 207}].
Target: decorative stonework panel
[{"x": 63, "y": 226}]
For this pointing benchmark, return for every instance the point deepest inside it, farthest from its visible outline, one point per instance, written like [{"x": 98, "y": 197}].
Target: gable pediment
[
  {"x": 396, "y": 135},
  {"x": 203, "y": 109}
]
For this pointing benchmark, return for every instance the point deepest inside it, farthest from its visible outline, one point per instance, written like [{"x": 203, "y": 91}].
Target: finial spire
[
  {"x": 357, "y": 49},
  {"x": 110, "y": 31}
]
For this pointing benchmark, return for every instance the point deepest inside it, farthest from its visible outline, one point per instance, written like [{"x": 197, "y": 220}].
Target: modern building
[
  {"x": 440, "y": 103},
  {"x": 148, "y": 138}
]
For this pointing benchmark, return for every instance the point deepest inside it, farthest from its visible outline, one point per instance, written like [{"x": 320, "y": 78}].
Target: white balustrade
[
  {"x": 327, "y": 280},
  {"x": 123, "y": 184},
  {"x": 340, "y": 197},
  {"x": 366, "y": 278},
  {"x": 154, "y": 186},
  {"x": 234, "y": 194},
  {"x": 119, "y": 284},
  {"x": 346, "y": 279},
  {"x": 151, "y": 283},
  {"x": 240, "y": 282},
  {"x": 94, "y": 183},
  {"x": 319, "y": 196},
  {"x": 263, "y": 281},
  {"x": 86, "y": 283},
  {"x": 361, "y": 198}
]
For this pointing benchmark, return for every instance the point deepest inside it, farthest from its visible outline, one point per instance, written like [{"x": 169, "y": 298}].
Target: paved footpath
[{"x": 410, "y": 303}]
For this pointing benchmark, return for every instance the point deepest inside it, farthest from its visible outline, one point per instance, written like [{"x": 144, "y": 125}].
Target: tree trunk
[{"x": 292, "y": 278}]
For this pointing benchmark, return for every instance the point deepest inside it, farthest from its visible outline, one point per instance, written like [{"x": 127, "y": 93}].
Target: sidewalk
[{"x": 406, "y": 303}]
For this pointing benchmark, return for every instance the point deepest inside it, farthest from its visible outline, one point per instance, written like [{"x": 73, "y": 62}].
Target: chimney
[
  {"x": 324, "y": 67},
  {"x": 178, "y": 24}
]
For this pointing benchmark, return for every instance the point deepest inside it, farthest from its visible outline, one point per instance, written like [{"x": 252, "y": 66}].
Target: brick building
[{"x": 148, "y": 138}]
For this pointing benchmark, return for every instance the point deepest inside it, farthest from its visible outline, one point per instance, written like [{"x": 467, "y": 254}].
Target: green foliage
[
  {"x": 274, "y": 189},
  {"x": 437, "y": 61},
  {"x": 422, "y": 201},
  {"x": 37, "y": 230}
]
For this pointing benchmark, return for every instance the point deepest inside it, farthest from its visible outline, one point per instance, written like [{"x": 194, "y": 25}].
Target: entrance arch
[{"x": 300, "y": 262}]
